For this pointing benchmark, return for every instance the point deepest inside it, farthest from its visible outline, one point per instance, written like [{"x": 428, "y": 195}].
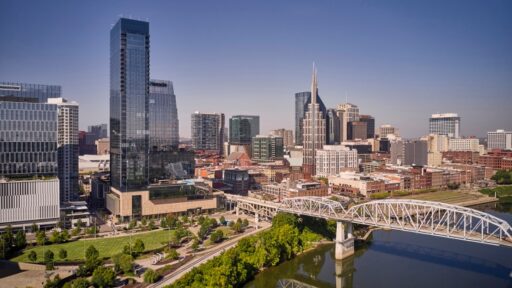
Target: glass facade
[
  {"x": 445, "y": 124},
  {"x": 302, "y": 99},
  {"x": 242, "y": 128},
  {"x": 208, "y": 131},
  {"x": 129, "y": 104},
  {"x": 28, "y": 139},
  {"x": 163, "y": 115},
  {"x": 26, "y": 90}
]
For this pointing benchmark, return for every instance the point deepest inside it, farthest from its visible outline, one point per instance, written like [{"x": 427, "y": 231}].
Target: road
[{"x": 178, "y": 273}]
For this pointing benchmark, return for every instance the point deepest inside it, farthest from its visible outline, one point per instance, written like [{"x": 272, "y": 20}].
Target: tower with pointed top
[{"x": 314, "y": 129}]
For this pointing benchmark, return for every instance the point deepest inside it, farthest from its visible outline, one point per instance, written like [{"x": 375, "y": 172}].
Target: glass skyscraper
[
  {"x": 302, "y": 100},
  {"x": 242, "y": 128},
  {"x": 27, "y": 90},
  {"x": 163, "y": 115},
  {"x": 445, "y": 124},
  {"x": 129, "y": 104}
]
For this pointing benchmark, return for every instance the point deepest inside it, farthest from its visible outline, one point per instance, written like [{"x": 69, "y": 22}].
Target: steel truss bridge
[{"x": 416, "y": 216}]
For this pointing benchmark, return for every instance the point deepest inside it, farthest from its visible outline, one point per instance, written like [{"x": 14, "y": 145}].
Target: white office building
[
  {"x": 333, "y": 159},
  {"x": 499, "y": 139},
  {"x": 464, "y": 144}
]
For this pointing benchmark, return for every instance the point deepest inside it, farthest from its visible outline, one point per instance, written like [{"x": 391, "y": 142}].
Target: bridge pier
[
  {"x": 344, "y": 241},
  {"x": 237, "y": 211},
  {"x": 257, "y": 220}
]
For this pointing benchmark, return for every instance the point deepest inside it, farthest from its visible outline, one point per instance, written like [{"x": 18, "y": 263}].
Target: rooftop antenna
[{"x": 346, "y": 97}]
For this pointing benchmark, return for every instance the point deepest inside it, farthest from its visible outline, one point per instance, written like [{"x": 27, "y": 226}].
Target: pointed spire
[{"x": 314, "y": 85}]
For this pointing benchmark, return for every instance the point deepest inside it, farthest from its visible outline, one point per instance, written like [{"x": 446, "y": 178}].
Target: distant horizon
[{"x": 398, "y": 61}]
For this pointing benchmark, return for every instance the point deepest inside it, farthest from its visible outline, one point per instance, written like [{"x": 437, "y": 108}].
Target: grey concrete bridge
[{"x": 416, "y": 216}]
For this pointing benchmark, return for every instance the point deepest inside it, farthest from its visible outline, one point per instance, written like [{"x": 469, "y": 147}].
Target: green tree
[
  {"x": 138, "y": 247},
  {"x": 222, "y": 220},
  {"x": 48, "y": 259},
  {"x": 103, "y": 277},
  {"x": 237, "y": 227},
  {"x": 32, "y": 256},
  {"x": 63, "y": 254},
  {"x": 20, "y": 240},
  {"x": 195, "y": 245},
  {"x": 92, "y": 261},
  {"x": 151, "y": 276},
  {"x": 172, "y": 254},
  {"x": 133, "y": 224},
  {"x": 144, "y": 222},
  {"x": 123, "y": 263},
  {"x": 151, "y": 224},
  {"x": 41, "y": 237},
  {"x": 55, "y": 237},
  {"x": 245, "y": 223},
  {"x": 80, "y": 283},
  {"x": 34, "y": 228},
  {"x": 217, "y": 236},
  {"x": 55, "y": 283},
  {"x": 203, "y": 231}
]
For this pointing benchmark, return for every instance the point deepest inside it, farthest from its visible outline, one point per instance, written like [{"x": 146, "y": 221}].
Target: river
[{"x": 400, "y": 259}]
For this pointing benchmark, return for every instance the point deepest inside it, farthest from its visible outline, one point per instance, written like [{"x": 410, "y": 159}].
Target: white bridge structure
[{"x": 423, "y": 217}]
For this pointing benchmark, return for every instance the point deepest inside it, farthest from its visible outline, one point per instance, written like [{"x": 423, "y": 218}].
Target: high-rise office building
[
  {"x": 208, "y": 131},
  {"x": 370, "y": 125},
  {"x": 242, "y": 128},
  {"x": 267, "y": 148},
  {"x": 314, "y": 130},
  {"x": 27, "y": 90},
  {"x": 416, "y": 153},
  {"x": 333, "y": 127},
  {"x": 163, "y": 115},
  {"x": 98, "y": 131},
  {"x": 129, "y": 104},
  {"x": 357, "y": 130},
  {"x": 287, "y": 136},
  {"x": 28, "y": 150},
  {"x": 347, "y": 112},
  {"x": 499, "y": 139},
  {"x": 302, "y": 100},
  {"x": 445, "y": 124},
  {"x": 67, "y": 148}
]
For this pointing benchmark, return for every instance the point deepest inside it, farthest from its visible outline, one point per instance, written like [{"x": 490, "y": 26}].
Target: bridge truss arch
[
  {"x": 313, "y": 206},
  {"x": 432, "y": 218}
]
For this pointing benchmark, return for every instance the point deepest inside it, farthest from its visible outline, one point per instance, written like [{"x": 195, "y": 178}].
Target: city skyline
[{"x": 259, "y": 62}]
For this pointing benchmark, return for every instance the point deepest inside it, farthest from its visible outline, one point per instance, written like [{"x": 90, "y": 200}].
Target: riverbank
[
  {"x": 287, "y": 238},
  {"x": 463, "y": 198}
]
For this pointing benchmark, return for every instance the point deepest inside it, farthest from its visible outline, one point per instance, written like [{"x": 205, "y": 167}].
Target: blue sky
[{"x": 399, "y": 61}]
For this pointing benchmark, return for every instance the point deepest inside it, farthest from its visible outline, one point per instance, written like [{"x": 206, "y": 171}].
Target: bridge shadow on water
[{"x": 442, "y": 257}]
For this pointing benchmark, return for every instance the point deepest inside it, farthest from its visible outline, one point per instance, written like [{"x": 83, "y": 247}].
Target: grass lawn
[
  {"x": 107, "y": 247},
  {"x": 448, "y": 196},
  {"x": 501, "y": 191}
]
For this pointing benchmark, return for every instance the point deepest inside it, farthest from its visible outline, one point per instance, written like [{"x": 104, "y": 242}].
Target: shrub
[
  {"x": 103, "y": 277},
  {"x": 151, "y": 276},
  {"x": 32, "y": 256}
]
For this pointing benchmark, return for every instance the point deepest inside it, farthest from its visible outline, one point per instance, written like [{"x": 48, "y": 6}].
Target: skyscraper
[
  {"x": 347, "y": 112},
  {"x": 333, "y": 127},
  {"x": 208, "y": 131},
  {"x": 163, "y": 115},
  {"x": 67, "y": 148},
  {"x": 129, "y": 104},
  {"x": 370, "y": 125},
  {"x": 267, "y": 148},
  {"x": 287, "y": 135},
  {"x": 445, "y": 124},
  {"x": 302, "y": 100},
  {"x": 314, "y": 130},
  {"x": 242, "y": 128}
]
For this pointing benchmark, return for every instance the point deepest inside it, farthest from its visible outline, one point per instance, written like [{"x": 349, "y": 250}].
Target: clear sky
[{"x": 399, "y": 61}]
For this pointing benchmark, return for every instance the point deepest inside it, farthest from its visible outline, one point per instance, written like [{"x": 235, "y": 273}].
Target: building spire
[{"x": 314, "y": 85}]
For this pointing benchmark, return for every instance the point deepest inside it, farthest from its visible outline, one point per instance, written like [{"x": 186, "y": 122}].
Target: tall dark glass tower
[
  {"x": 242, "y": 128},
  {"x": 129, "y": 104},
  {"x": 163, "y": 115}
]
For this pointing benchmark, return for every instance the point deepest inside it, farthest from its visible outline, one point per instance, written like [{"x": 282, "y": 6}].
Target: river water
[{"x": 400, "y": 259}]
